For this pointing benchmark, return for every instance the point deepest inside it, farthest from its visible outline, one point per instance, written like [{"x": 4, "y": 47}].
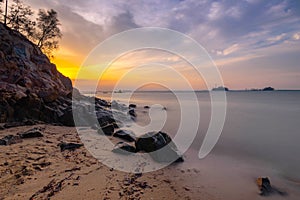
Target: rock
[
  {"x": 152, "y": 141},
  {"x": 23, "y": 123},
  {"x": 125, "y": 135},
  {"x": 10, "y": 139},
  {"x": 31, "y": 87},
  {"x": 160, "y": 147},
  {"x": 107, "y": 129},
  {"x": 146, "y": 107},
  {"x": 124, "y": 148},
  {"x": 132, "y": 113},
  {"x": 105, "y": 117},
  {"x": 266, "y": 188},
  {"x": 69, "y": 146},
  {"x": 167, "y": 154},
  {"x": 32, "y": 133},
  {"x": 48, "y": 96},
  {"x": 67, "y": 117},
  {"x": 132, "y": 106},
  {"x": 19, "y": 95},
  {"x": 117, "y": 106},
  {"x": 3, "y": 142}
]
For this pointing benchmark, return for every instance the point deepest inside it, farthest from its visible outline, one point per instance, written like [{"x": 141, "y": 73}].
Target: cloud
[
  {"x": 277, "y": 38},
  {"x": 226, "y": 29},
  {"x": 233, "y": 48},
  {"x": 296, "y": 36}
]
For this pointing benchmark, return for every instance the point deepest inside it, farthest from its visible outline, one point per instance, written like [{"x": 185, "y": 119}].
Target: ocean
[{"x": 260, "y": 127}]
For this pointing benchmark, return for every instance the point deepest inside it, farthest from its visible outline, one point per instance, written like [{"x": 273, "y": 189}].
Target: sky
[{"x": 254, "y": 43}]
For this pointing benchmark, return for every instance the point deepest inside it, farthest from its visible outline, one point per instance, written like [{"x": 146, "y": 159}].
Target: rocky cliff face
[{"x": 30, "y": 86}]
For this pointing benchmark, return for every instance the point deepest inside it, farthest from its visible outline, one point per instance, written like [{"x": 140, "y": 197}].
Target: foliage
[
  {"x": 48, "y": 31},
  {"x": 20, "y": 18},
  {"x": 44, "y": 31}
]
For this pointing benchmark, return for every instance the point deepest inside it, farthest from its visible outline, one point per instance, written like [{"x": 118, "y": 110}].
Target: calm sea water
[{"x": 260, "y": 126}]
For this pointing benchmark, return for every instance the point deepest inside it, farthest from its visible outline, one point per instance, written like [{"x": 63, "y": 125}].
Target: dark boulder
[
  {"x": 32, "y": 133},
  {"x": 160, "y": 147},
  {"x": 10, "y": 139},
  {"x": 105, "y": 117},
  {"x": 69, "y": 146},
  {"x": 107, "y": 129},
  {"x": 146, "y": 107},
  {"x": 67, "y": 117},
  {"x": 132, "y": 113},
  {"x": 167, "y": 154},
  {"x": 152, "y": 141},
  {"x": 266, "y": 188},
  {"x": 125, "y": 135},
  {"x": 124, "y": 148},
  {"x": 132, "y": 106}
]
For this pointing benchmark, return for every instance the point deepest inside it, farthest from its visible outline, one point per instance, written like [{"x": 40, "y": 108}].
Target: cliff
[{"x": 30, "y": 85}]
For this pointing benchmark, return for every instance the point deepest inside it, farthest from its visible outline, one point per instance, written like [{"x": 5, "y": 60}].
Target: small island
[
  {"x": 264, "y": 89},
  {"x": 268, "y": 89},
  {"x": 220, "y": 88}
]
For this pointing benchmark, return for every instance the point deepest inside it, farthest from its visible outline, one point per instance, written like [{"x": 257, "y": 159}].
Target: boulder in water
[
  {"x": 266, "y": 188},
  {"x": 132, "y": 113},
  {"x": 107, "y": 129},
  {"x": 132, "y": 106},
  {"x": 124, "y": 148},
  {"x": 160, "y": 147},
  {"x": 125, "y": 135}
]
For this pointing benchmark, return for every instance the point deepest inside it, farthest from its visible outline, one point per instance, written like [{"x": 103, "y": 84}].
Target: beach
[{"x": 37, "y": 168}]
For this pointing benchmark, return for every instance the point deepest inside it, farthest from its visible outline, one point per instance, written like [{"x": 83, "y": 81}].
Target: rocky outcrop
[
  {"x": 30, "y": 85},
  {"x": 31, "y": 88}
]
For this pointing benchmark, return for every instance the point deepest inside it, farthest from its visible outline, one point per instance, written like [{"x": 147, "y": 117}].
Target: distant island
[
  {"x": 220, "y": 88},
  {"x": 264, "y": 89}
]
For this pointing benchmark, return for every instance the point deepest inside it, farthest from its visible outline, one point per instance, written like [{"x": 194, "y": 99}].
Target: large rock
[
  {"x": 127, "y": 135},
  {"x": 10, "y": 139},
  {"x": 30, "y": 84},
  {"x": 152, "y": 141},
  {"x": 160, "y": 147},
  {"x": 124, "y": 148},
  {"x": 31, "y": 87},
  {"x": 69, "y": 146},
  {"x": 32, "y": 133}
]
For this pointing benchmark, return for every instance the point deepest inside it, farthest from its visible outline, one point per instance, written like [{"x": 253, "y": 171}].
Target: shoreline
[{"x": 76, "y": 174}]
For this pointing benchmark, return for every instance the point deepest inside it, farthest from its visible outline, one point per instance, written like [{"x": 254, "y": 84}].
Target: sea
[{"x": 259, "y": 127}]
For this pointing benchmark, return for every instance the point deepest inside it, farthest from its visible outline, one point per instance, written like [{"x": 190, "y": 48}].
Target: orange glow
[{"x": 131, "y": 70}]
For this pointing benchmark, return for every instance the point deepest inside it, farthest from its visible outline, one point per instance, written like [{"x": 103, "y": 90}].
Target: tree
[
  {"x": 48, "y": 31},
  {"x": 44, "y": 32},
  {"x": 20, "y": 18}
]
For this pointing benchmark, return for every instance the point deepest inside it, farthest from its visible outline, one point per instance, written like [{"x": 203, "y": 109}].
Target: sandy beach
[{"x": 36, "y": 168}]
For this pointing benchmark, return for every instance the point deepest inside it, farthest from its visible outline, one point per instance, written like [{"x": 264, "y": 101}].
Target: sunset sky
[{"x": 254, "y": 43}]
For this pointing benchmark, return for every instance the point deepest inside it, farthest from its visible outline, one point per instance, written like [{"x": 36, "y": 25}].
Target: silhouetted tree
[
  {"x": 44, "y": 32},
  {"x": 48, "y": 31},
  {"x": 20, "y": 18}
]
